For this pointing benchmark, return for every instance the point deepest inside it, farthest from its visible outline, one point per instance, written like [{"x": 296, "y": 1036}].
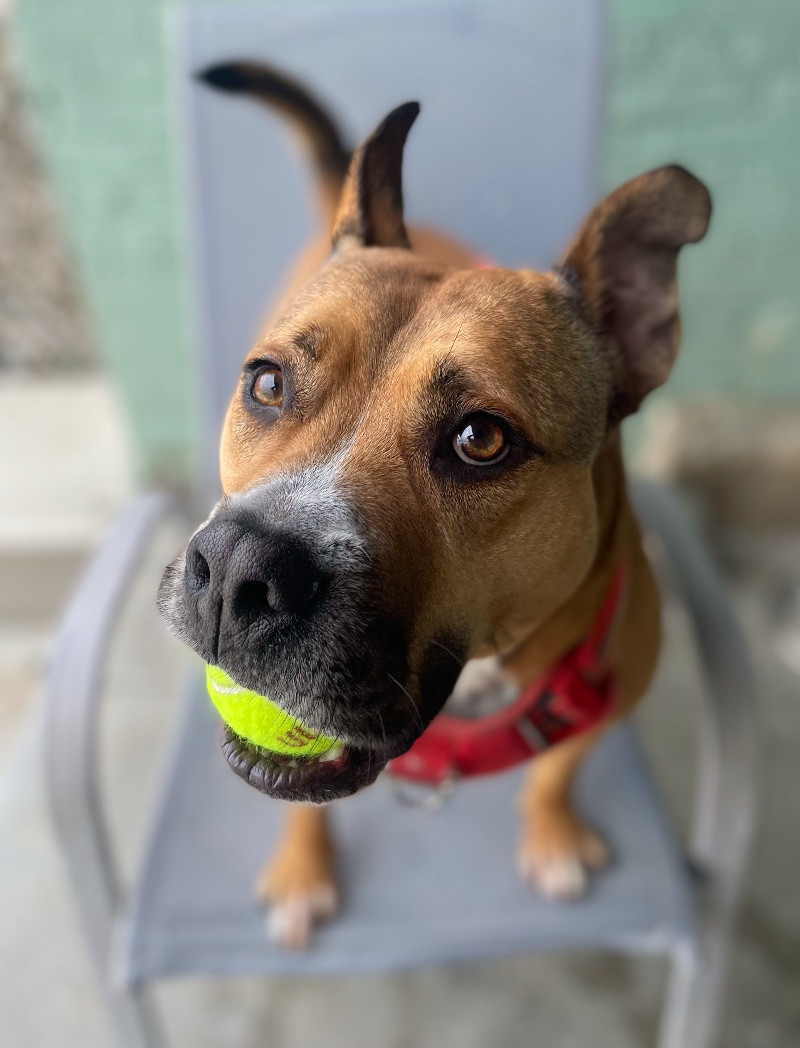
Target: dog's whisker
[
  {"x": 456, "y": 338},
  {"x": 383, "y": 726},
  {"x": 452, "y": 654},
  {"x": 411, "y": 702}
]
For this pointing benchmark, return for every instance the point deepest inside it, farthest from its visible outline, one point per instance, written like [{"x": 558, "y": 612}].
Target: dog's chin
[{"x": 309, "y": 780}]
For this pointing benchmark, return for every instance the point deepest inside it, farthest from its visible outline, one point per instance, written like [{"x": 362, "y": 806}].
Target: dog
[{"x": 423, "y": 485}]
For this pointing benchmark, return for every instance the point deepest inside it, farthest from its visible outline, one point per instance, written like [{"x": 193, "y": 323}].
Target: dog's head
[{"x": 407, "y": 462}]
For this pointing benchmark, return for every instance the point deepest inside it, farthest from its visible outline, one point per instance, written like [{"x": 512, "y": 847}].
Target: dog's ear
[
  {"x": 371, "y": 207},
  {"x": 625, "y": 258}
]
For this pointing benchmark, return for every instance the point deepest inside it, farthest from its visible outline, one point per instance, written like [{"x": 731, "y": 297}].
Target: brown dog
[{"x": 422, "y": 467}]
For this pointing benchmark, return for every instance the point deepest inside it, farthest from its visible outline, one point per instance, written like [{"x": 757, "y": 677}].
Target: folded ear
[
  {"x": 371, "y": 207},
  {"x": 625, "y": 258}
]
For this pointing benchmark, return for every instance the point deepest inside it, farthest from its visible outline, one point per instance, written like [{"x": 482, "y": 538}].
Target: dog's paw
[
  {"x": 291, "y": 921},
  {"x": 298, "y": 895},
  {"x": 557, "y": 853}
]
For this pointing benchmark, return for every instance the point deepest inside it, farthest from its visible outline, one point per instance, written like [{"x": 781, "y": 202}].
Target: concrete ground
[{"x": 48, "y": 992}]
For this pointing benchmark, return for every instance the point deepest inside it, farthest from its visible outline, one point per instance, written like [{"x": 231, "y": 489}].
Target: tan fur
[
  {"x": 553, "y": 838},
  {"x": 528, "y": 559}
]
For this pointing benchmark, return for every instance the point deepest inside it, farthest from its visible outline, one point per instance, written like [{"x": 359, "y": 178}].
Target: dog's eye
[
  {"x": 481, "y": 441},
  {"x": 267, "y": 386}
]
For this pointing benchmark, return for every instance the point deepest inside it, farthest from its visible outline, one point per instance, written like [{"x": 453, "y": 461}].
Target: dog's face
[{"x": 406, "y": 464}]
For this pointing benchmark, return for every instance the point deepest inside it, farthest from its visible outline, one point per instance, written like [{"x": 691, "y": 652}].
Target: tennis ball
[{"x": 259, "y": 720}]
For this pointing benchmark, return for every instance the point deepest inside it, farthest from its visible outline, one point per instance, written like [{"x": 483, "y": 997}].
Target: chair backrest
[{"x": 504, "y": 155}]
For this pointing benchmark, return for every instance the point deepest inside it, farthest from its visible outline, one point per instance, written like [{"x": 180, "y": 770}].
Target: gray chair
[{"x": 519, "y": 82}]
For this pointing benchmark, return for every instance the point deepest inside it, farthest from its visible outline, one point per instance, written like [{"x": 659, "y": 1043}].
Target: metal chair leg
[
  {"x": 691, "y": 1010},
  {"x": 726, "y": 794},
  {"x": 133, "y": 1018}
]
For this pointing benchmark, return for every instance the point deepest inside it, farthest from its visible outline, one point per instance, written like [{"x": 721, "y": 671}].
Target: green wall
[{"x": 713, "y": 84}]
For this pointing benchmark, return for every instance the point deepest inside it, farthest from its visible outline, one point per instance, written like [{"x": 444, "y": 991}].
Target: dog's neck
[
  {"x": 613, "y": 508},
  {"x": 617, "y": 533}
]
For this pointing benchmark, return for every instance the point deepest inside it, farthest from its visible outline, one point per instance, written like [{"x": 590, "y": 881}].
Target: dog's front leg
[
  {"x": 557, "y": 849},
  {"x": 298, "y": 882}
]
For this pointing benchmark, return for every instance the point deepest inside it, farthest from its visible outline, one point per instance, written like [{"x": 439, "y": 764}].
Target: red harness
[{"x": 572, "y": 696}]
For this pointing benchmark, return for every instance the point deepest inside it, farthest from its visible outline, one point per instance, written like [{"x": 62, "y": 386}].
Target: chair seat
[{"x": 417, "y": 887}]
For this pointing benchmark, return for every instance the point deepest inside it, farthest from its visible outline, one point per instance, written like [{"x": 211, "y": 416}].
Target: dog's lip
[{"x": 310, "y": 781}]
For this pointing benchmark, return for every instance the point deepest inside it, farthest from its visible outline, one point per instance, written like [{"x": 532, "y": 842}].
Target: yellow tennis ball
[{"x": 259, "y": 720}]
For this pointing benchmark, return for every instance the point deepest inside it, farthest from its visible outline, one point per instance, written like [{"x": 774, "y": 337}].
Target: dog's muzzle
[{"x": 278, "y": 589}]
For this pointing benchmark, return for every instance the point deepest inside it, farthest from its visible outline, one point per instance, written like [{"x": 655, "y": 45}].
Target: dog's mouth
[
  {"x": 365, "y": 745},
  {"x": 339, "y": 772}
]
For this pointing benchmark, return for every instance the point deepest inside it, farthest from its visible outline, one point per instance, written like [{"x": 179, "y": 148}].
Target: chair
[{"x": 249, "y": 208}]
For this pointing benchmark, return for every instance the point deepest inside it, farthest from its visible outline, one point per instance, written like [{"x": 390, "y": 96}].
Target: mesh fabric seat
[{"x": 418, "y": 887}]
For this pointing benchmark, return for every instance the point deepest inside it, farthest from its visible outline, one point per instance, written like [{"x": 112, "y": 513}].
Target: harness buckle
[
  {"x": 531, "y": 736},
  {"x": 424, "y": 796}
]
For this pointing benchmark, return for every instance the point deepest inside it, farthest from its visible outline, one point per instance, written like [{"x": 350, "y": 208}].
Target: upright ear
[
  {"x": 625, "y": 258},
  {"x": 371, "y": 208}
]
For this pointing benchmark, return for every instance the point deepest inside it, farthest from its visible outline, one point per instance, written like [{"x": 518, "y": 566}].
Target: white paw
[
  {"x": 558, "y": 879},
  {"x": 291, "y": 921},
  {"x": 559, "y": 858}
]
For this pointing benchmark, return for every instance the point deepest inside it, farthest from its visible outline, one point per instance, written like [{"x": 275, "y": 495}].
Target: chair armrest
[
  {"x": 727, "y": 779},
  {"x": 726, "y": 793},
  {"x": 72, "y": 696}
]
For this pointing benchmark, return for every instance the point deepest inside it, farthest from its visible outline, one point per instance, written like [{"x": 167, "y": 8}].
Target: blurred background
[{"x": 96, "y": 402}]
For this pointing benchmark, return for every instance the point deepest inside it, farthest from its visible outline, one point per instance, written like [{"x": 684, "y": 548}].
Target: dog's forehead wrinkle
[{"x": 374, "y": 291}]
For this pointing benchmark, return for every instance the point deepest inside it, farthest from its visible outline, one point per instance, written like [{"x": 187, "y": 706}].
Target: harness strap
[{"x": 571, "y": 697}]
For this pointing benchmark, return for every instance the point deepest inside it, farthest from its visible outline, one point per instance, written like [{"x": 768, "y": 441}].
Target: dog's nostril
[
  {"x": 255, "y": 598},
  {"x": 252, "y": 599},
  {"x": 198, "y": 572}
]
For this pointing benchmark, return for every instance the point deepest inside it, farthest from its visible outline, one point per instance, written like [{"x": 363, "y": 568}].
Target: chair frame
[{"x": 724, "y": 807}]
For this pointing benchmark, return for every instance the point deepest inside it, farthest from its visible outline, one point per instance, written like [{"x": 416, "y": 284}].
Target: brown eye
[
  {"x": 481, "y": 441},
  {"x": 268, "y": 386}
]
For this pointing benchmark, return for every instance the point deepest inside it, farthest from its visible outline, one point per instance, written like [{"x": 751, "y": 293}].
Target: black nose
[{"x": 236, "y": 575}]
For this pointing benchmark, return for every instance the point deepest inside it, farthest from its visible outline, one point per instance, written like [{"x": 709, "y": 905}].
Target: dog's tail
[{"x": 317, "y": 128}]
